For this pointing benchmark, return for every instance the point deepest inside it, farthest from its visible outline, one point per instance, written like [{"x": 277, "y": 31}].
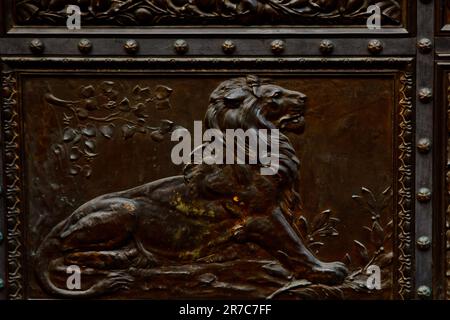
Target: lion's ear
[{"x": 234, "y": 98}]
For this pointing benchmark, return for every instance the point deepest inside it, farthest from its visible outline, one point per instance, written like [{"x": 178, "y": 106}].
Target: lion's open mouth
[{"x": 291, "y": 121}]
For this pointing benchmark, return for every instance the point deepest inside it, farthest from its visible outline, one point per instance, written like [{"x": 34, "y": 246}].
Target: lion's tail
[{"x": 43, "y": 258}]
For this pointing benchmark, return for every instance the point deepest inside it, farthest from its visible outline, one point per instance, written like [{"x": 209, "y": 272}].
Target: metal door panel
[{"x": 90, "y": 112}]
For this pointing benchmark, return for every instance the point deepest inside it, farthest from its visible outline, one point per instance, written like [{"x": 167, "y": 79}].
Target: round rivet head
[
  {"x": 180, "y": 46},
  {"x": 424, "y": 195},
  {"x": 423, "y": 243},
  {"x": 85, "y": 46},
  {"x": 425, "y": 95},
  {"x": 375, "y": 46},
  {"x": 424, "y": 145},
  {"x": 425, "y": 45},
  {"x": 131, "y": 46},
  {"x": 277, "y": 46},
  {"x": 228, "y": 47},
  {"x": 37, "y": 46},
  {"x": 424, "y": 292},
  {"x": 326, "y": 47}
]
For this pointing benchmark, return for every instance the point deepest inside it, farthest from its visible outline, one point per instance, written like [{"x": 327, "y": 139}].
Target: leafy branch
[
  {"x": 99, "y": 112},
  {"x": 322, "y": 225},
  {"x": 379, "y": 234}
]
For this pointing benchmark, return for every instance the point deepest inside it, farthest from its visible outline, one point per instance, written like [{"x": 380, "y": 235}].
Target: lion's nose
[{"x": 302, "y": 97}]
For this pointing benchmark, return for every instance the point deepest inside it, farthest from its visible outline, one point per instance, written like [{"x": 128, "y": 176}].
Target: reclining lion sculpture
[{"x": 192, "y": 218}]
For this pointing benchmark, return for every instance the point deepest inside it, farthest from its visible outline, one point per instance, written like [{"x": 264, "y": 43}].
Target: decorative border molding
[
  {"x": 12, "y": 173},
  {"x": 404, "y": 131},
  {"x": 405, "y": 181},
  {"x": 407, "y": 26}
]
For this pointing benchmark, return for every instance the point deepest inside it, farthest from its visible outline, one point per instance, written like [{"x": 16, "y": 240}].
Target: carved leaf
[
  {"x": 377, "y": 235},
  {"x": 89, "y": 130},
  {"x": 69, "y": 134},
  {"x": 87, "y": 91},
  {"x": 157, "y": 136},
  {"x": 321, "y": 219},
  {"x": 166, "y": 126},
  {"x": 26, "y": 11},
  {"x": 369, "y": 197},
  {"x": 302, "y": 225},
  {"x": 124, "y": 105},
  {"x": 109, "y": 105},
  {"x": 162, "y": 92},
  {"x": 387, "y": 194},
  {"x": 360, "y": 201},
  {"x": 74, "y": 170},
  {"x": 385, "y": 260},
  {"x": 90, "y": 146},
  {"x": 107, "y": 131},
  {"x": 111, "y": 95},
  {"x": 128, "y": 131},
  {"x": 87, "y": 170},
  {"x": 163, "y": 105},
  {"x": 389, "y": 229},
  {"x": 334, "y": 221},
  {"x": 77, "y": 137},
  {"x": 315, "y": 246},
  {"x": 138, "y": 90},
  {"x": 58, "y": 149},
  {"x": 139, "y": 110},
  {"x": 347, "y": 259},
  {"x": 82, "y": 113},
  {"x": 75, "y": 153},
  {"x": 107, "y": 86},
  {"x": 361, "y": 250},
  {"x": 90, "y": 104}
]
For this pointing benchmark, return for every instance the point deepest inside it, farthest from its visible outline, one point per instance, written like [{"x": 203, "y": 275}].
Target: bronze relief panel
[
  {"x": 210, "y": 12},
  {"x": 340, "y": 204}
]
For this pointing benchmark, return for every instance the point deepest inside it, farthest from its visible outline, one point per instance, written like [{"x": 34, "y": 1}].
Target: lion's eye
[{"x": 276, "y": 94}]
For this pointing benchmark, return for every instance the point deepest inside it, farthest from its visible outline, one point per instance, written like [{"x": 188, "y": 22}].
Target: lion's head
[{"x": 253, "y": 103}]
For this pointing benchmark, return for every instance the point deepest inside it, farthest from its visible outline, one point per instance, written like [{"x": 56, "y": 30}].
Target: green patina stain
[
  {"x": 178, "y": 234},
  {"x": 191, "y": 208},
  {"x": 191, "y": 255}
]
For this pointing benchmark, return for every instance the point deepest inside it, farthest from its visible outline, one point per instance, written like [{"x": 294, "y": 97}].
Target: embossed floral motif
[
  {"x": 103, "y": 111},
  {"x": 149, "y": 12},
  {"x": 379, "y": 234},
  {"x": 323, "y": 226}
]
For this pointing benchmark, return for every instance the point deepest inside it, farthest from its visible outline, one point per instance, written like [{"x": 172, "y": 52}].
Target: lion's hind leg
[
  {"x": 110, "y": 227},
  {"x": 111, "y": 259}
]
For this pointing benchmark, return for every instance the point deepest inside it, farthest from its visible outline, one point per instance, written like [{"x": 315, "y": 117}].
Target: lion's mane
[{"x": 236, "y": 104}]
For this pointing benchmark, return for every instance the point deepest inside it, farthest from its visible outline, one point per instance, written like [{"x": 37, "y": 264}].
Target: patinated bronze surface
[
  {"x": 208, "y": 232},
  {"x": 87, "y": 178},
  {"x": 199, "y": 12}
]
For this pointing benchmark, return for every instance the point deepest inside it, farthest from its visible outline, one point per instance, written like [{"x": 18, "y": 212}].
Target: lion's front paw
[{"x": 331, "y": 273}]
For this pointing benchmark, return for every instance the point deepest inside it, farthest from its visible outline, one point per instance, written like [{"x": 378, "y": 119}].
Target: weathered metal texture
[
  {"x": 167, "y": 12},
  {"x": 62, "y": 146},
  {"x": 222, "y": 17},
  {"x": 424, "y": 124},
  {"x": 88, "y": 145}
]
